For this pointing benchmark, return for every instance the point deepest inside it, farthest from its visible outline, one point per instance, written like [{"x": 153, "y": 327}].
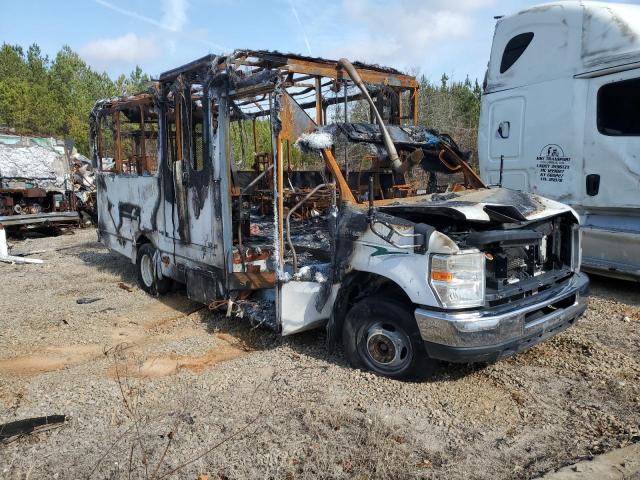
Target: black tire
[
  {"x": 147, "y": 279},
  {"x": 381, "y": 335}
]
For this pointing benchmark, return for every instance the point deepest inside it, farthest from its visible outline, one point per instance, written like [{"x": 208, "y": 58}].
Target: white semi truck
[{"x": 560, "y": 117}]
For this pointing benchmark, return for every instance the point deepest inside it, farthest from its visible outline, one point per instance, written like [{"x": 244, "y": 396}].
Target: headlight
[{"x": 458, "y": 280}]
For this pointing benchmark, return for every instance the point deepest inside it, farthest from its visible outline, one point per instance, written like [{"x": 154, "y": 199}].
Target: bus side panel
[{"x": 127, "y": 208}]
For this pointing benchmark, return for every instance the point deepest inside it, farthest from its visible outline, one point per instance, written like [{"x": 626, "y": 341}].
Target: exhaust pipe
[{"x": 386, "y": 138}]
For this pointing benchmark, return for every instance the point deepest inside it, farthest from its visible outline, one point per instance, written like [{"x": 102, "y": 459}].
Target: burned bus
[{"x": 301, "y": 193}]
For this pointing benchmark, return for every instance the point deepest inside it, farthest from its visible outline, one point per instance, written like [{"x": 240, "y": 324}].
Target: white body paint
[
  {"x": 403, "y": 266},
  {"x": 299, "y": 311}
]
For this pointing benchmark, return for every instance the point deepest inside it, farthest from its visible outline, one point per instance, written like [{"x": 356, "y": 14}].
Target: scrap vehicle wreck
[
  {"x": 42, "y": 182},
  {"x": 301, "y": 192}
]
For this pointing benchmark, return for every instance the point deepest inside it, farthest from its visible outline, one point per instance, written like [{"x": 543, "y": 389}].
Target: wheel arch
[
  {"x": 354, "y": 287},
  {"x": 141, "y": 239}
]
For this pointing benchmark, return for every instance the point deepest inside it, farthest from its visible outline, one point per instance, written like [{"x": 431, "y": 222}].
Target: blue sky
[{"x": 425, "y": 36}]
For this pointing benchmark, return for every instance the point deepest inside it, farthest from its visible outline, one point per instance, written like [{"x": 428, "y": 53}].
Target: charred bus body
[{"x": 228, "y": 176}]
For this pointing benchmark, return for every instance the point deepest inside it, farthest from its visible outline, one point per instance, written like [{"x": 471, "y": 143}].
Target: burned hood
[{"x": 482, "y": 205}]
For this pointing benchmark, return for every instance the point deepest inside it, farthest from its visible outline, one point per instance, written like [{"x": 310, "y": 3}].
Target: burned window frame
[
  {"x": 196, "y": 133},
  {"x": 102, "y": 127},
  {"x": 144, "y": 159}
]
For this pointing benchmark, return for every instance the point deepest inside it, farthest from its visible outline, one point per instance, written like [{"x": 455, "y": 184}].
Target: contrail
[
  {"x": 176, "y": 28},
  {"x": 304, "y": 33},
  {"x": 135, "y": 15}
]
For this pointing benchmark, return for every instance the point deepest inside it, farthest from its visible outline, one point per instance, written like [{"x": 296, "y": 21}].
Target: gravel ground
[{"x": 164, "y": 388}]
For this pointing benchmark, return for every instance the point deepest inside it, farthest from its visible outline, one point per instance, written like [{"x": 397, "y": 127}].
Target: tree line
[
  {"x": 54, "y": 97},
  {"x": 453, "y": 108}
]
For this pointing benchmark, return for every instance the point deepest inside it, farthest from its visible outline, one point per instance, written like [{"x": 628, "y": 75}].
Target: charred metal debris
[
  {"x": 43, "y": 182},
  {"x": 12, "y": 431},
  {"x": 261, "y": 214}
]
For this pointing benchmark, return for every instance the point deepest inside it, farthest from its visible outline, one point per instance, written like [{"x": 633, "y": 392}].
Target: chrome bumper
[{"x": 504, "y": 330}]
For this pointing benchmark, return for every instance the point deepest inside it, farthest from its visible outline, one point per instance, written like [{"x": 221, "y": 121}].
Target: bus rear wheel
[{"x": 147, "y": 276}]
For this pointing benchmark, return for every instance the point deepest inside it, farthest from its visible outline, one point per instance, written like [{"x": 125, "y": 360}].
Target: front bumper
[{"x": 499, "y": 332}]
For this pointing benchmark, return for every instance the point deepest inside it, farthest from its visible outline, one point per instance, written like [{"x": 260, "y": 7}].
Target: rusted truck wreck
[
  {"x": 36, "y": 182},
  {"x": 302, "y": 190}
]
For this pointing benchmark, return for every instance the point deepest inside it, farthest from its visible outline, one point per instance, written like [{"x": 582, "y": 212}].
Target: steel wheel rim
[
  {"x": 146, "y": 270},
  {"x": 387, "y": 347}
]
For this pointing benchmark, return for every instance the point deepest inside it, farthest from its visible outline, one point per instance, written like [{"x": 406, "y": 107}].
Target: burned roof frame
[{"x": 259, "y": 60}]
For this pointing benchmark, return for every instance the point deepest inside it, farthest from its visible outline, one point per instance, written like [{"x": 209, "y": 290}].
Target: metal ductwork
[{"x": 386, "y": 138}]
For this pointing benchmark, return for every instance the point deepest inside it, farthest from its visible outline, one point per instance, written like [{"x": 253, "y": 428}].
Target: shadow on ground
[
  {"x": 625, "y": 291},
  {"x": 18, "y": 234}
]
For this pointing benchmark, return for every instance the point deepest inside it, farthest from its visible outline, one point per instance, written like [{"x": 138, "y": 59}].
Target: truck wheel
[
  {"x": 147, "y": 277},
  {"x": 381, "y": 335}
]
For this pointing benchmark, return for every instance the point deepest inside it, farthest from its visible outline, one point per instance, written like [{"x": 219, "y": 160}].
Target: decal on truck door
[
  {"x": 381, "y": 251},
  {"x": 552, "y": 163}
]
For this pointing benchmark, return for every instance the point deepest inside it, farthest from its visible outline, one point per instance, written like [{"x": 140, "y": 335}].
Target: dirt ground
[{"x": 164, "y": 388}]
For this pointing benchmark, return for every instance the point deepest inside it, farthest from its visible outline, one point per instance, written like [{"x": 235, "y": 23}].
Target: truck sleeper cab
[
  {"x": 559, "y": 118},
  {"x": 302, "y": 192}
]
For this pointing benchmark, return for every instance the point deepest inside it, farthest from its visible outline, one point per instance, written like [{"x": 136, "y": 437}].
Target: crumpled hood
[{"x": 482, "y": 205}]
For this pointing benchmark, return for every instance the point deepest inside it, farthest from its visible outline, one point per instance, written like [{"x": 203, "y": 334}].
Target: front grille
[
  {"x": 526, "y": 288},
  {"x": 511, "y": 262},
  {"x": 509, "y": 265},
  {"x": 521, "y": 262}
]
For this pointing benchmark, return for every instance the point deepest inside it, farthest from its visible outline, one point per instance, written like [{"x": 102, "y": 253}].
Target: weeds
[{"x": 151, "y": 450}]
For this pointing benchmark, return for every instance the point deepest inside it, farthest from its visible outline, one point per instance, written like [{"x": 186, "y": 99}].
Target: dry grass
[
  {"x": 358, "y": 446},
  {"x": 145, "y": 440}
]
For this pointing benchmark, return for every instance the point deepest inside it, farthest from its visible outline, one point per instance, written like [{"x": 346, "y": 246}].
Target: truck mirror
[
  {"x": 503, "y": 129},
  {"x": 593, "y": 184}
]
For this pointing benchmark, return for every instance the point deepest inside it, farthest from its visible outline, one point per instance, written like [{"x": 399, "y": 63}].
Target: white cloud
[
  {"x": 127, "y": 49},
  {"x": 174, "y": 16},
  {"x": 406, "y": 31},
  {"x": 433, "y": 35},
  {"x": 174, "y": 19}
]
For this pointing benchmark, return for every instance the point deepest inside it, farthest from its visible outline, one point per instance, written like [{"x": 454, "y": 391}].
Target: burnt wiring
[{"x": 373, "y": 220}]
